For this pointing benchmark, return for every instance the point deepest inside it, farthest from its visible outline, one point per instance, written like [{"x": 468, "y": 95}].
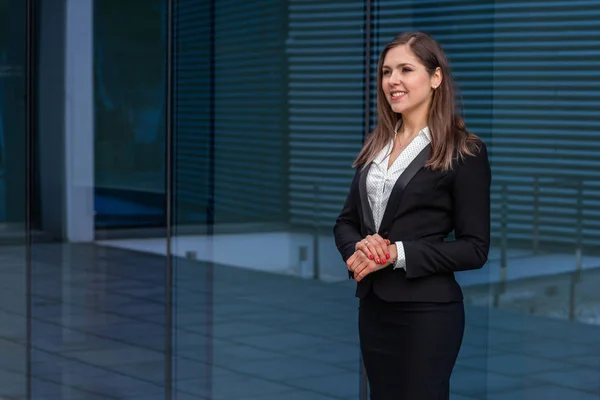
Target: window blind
[
  {"x": 191, "y": 110},
  {"x": 325, "y": 50},
  {"x": 250, "y": 119},
  {"x": 528, "y": 74}
]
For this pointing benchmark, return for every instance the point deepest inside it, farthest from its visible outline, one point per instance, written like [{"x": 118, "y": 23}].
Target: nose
[{"x": 394, "y": 78}]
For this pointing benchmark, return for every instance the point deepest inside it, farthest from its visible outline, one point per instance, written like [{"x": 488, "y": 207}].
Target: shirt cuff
[{"x": 401, "y": 260}]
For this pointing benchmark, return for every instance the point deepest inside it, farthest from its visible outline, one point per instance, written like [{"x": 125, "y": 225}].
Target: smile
[{"x": 397, "y": 95}]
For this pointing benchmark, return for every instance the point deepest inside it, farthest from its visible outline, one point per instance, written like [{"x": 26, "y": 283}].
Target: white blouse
[{"x": 381, "y": 181}]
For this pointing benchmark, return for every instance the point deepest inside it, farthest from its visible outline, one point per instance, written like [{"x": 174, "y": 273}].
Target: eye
[
  {"x": 406, "y": 69},
  {"x": 386, "y": 72}
]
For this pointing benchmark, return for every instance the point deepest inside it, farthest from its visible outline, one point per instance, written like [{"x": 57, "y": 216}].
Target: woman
[{"x": 419, "y": 177}]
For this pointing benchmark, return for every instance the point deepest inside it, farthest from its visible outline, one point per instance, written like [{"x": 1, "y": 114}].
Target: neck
[{"x": 412, "y": 124}]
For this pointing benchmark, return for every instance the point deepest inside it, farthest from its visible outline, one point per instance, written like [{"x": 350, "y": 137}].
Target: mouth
[{"x": 397, "y": 94}]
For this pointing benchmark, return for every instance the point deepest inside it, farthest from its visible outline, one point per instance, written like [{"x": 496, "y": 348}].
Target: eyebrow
[{"x": 399, "y": 65}]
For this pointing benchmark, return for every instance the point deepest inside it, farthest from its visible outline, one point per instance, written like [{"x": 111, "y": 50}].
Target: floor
[
  {"x": 98, "y": 332},
  {"x": 520, "y": 264}
]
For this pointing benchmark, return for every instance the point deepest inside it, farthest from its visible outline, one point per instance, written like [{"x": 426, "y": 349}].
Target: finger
[
  {"x": 351, "y": 260},
  {"x": 364, "y": 252},
  {"x": 387, "y": 241},
  {"x": 358, "y": 255},
  {"x": 375, "y": 247},
  {"x": 352, "y": 266},
  {"x": 361, "y": 267},
  {"x": 365, "y": 269},
  {"x": 366, "y": 248},
  {"x": 383, "y": 245},
  {"x": 355, "y": 260}
]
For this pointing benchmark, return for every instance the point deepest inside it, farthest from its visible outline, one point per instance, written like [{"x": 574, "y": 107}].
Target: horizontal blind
[
  {"x": 326, "y": 105},
  {"x": 546, "y": 137},
  {"x": 191, "y": 110},
  {"x": 528, "y": 74},
  {"x": 250, "y": 118}
]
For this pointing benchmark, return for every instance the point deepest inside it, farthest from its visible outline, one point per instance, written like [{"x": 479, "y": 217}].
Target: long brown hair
[{"x": 450, "y": 138}]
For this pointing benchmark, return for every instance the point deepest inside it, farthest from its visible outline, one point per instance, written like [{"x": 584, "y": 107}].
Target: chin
[{"x": 398, "y": 108}]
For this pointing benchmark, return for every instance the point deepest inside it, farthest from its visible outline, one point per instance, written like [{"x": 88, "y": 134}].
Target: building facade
[{"x": 170, "y": 172}]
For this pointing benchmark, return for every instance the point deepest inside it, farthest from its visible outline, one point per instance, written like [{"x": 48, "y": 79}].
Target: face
[{"x": 407, "y": 85}]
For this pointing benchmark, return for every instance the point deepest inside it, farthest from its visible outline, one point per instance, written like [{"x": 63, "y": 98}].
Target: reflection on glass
[
  {"x": 268, "y": 117},
  {"x": 98, "y": 307},
  {"x": 129, "y": 81},
  {"x": 13, "y": 322},
  {"x": 532, "y": 322}
]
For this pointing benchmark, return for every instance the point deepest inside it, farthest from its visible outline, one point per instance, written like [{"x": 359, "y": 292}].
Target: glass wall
[
  {"x": 268, "y": 115},
  {"x": 98, "y": 320},
  {"x": 531, "y": 315},
  {"x": 527, "y": 75},
  {"x": 129, "y": 103},
  {"x": 170, "y": 180},
  {"x": 13, "y": 190}
]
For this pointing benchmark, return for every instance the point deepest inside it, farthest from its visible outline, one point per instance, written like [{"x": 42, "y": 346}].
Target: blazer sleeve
[
  {"x": 471, "y": 203},
  {"x": 346, "y": 230}
]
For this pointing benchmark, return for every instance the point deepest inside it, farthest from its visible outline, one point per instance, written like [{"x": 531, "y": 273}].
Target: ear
[{"x": 436, "y": 78}]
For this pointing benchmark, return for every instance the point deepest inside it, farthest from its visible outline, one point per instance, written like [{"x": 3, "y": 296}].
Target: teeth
[{"x": 396, "y": 94}]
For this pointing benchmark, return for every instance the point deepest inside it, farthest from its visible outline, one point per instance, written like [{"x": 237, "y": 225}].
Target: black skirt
[{"x": 409, "y": 349}]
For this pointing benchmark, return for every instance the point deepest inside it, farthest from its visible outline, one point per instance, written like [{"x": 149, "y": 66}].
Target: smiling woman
[
  {"x": 420, "y": 176},
  {"x": 406, "y": 82},
  {"x": 415, "y": 69}
]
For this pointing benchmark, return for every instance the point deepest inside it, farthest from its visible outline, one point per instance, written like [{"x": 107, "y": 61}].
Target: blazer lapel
[
  {"x": 367, "y": 213},
  {"x": 403, "y": 180}
]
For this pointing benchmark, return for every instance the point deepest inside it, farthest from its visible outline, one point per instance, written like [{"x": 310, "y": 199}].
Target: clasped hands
[{"x": 371, "y": 254}]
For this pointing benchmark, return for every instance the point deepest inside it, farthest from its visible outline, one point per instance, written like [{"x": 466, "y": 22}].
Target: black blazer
[{"x": 425, "y": 206}]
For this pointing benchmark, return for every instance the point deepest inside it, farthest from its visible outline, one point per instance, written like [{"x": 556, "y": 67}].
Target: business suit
[{"x": 424, "y": 207}]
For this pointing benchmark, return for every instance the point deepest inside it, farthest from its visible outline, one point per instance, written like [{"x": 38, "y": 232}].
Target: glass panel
[
  {"x": 13, "y": 163},
  {"x": 130, "y": 191},
  {"x": 99, "y": 327},
  {"x": 528, "y": 79},
  {"x": 129, "y": 140},
  {"x": 268, "y": 107},
  {"x": 192, "y": 187}
]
